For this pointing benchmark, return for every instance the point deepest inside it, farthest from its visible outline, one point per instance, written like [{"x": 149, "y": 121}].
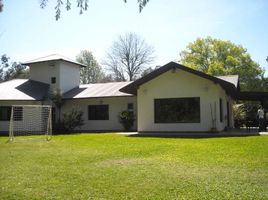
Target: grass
[{"x": 110, "y": 166}]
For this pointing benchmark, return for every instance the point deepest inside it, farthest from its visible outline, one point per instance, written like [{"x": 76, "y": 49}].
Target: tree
[
  {"x": 4, "y": 64},
  {"x": 92, "y": 73},
  {"x": 82, "y": 5},
  {"x": 107, "y": 78},
  {"x": 17, "y": 70},
  {"x": 11, "y": 70},
  {"x": 128, "y": 56},
  {"x": 149, "y": 70},
  {"x": 58, "y": 101},
  {"x": 218, "y": 57},
  {"x": 1, "y": 5}
]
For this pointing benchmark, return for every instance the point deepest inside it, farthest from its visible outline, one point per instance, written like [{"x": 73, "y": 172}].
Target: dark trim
[
  {"x": 98, "y": 97},
  {"x": 133, "y": 87}
]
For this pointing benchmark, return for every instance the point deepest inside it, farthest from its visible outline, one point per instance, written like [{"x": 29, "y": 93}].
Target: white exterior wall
[
  {"x": 67, "y": 74},
  {"x": 180, "y": 84},
  {"x": 70, "y": 76},
  {"x": 225, "y": 98},
  {"x": 4, "y": 125},
  {"x": 116, "y": 105},
  {"x": 43, "y": 72}
]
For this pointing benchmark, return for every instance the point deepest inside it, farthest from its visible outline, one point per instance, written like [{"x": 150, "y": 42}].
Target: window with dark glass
[
  {"x": 98, "y": 112},
  {"x": 130, "y": 106},
  {"x": 5, "y": 112},
  {"x": 177, "y": 110},
  {"x": 53, "y": 80},
  {"x": 221, "y": 114}
]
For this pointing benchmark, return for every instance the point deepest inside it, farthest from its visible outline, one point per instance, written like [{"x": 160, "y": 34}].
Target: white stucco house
[{"x": 173, "y": 98}]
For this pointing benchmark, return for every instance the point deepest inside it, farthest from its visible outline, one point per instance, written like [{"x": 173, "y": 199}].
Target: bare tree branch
[
  {"x": 128, "y": 56},
  {"x": 81, "y": 4},
  {"x": 141, "y": 3}
]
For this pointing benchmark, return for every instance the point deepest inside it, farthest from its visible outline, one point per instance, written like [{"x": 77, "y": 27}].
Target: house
[{"x": 173, "y": 98}]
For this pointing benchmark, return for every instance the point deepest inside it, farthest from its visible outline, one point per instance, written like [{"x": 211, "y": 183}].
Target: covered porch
[{"x": 261, "y": 98}]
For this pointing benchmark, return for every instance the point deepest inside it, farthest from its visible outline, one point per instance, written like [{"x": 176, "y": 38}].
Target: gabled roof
[
  {"x": 234, "y": 79},
  {"x": 52, "y": 57},
  {"x": 97, "y": 90},
  {"x": 229, "y": 87},
  {"x": 23, "y": 89}
]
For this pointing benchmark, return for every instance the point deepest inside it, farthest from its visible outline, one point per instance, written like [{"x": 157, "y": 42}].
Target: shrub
[
  {"x": 239, "y": 115},
  {"x": 126, "y": 118},
  {"x": 246, "y": 114},
  {"x": 72, "y": 120}
]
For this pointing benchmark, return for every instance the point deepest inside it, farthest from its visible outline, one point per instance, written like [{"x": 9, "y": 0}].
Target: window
[
  {"x": 177, "y": 110},
  {"x": 5, "y": 112},
  {"x": 130, "y": 106},
  {"x": 220, "y": 104},
  {"x": 98, "y": 112},
  {"x": 53, "y": 80}
]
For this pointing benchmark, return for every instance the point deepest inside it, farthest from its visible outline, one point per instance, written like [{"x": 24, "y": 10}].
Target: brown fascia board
[
  {"x": 30, "y": 63},
  {"x": 132, "y": 87}
]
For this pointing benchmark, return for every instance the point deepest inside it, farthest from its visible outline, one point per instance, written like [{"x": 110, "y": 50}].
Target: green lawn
[{"x": 110, "y": 166}]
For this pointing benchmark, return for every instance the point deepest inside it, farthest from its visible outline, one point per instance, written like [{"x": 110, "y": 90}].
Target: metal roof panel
[
  {"x": 97, "y": 90},
  {"x": 23, "y": 89}
]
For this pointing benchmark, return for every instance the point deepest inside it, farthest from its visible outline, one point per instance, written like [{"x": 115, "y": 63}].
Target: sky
[{"x": 28, "y": 32}]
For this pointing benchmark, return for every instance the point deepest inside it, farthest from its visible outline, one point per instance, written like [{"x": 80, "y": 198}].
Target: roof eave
[
  {"x": 132, "y": 87},
  {"x": 52, "y": 60}
]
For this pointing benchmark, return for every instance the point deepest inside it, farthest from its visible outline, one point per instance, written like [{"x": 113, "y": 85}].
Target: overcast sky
[{"x": 27, "y": 32}]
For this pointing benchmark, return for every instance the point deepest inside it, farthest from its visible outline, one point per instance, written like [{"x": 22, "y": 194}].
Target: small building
[{"x": 173, "y": 98}]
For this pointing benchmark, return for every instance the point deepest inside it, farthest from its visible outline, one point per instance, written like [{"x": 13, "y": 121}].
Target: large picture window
[
  {"x": 177, "y": 110},
  {"x": 98, "y": 112}
]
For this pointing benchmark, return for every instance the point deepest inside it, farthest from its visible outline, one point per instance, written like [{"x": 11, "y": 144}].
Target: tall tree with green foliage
[
  {"x": 1, "y": 5},
  {"x": 219, "y": 57},
  {"x": 92, "y": 73},
  {"x": 11, "y": 70}
]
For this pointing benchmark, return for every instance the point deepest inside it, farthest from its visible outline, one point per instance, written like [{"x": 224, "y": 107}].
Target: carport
[{"x": 261, "y": 97}]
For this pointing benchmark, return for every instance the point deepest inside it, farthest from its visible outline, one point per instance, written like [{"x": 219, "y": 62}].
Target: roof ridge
[
  {"x": 15, "y": 79},
  {"x": 53, "y": 57},
  {"x": 107, "y": 83},
  {"x": 53, "y": 54}
]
